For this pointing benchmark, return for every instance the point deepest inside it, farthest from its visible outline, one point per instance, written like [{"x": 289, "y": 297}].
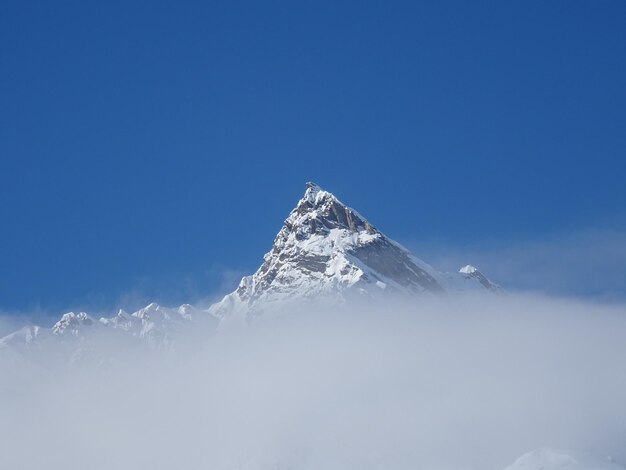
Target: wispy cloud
[
  {"x": 12, "y": 320},
  {"x": 588, "y": 263},
  {"x": 169, "y": 289}
]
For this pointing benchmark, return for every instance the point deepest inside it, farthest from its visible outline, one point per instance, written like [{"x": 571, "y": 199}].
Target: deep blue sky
[{"x": 147, "y": 148}]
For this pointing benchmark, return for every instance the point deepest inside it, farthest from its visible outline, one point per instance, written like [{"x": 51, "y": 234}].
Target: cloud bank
[{"x": 460, "y": 382}]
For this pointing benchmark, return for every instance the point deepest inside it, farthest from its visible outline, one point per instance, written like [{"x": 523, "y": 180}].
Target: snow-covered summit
[
  {"x": 470, "y": 272},
  {"x": 326, "y": 248},
  {"x": 468, "y": 269},
  {"x": 71, "y": 323}
]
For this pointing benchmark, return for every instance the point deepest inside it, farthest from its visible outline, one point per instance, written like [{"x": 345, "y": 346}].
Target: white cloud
[
  {"x": 11, "y": 321},
  {"x": 460, "y": 382}
]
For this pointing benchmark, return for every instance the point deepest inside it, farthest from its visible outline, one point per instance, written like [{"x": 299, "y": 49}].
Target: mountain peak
[
  {"x": 73, "y": 322},
  {"x": 315, "y": 195},
  {"x": 471, "y": 272},
  {"x": 468, "y": 269},
  {"x": 326, "y": 248},
  {"x": 320, "y": 211},
  {"x": 311, "y": 186}
]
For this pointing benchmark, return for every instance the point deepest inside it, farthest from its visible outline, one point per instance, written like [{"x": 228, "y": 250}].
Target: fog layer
[{"x": 458, "y": 382}]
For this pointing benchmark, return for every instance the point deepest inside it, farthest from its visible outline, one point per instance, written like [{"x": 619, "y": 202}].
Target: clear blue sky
[{"x": 151, "y": 147}]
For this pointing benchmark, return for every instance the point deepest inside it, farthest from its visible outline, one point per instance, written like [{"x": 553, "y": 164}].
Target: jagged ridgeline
[{"x": 324, "y": 250}]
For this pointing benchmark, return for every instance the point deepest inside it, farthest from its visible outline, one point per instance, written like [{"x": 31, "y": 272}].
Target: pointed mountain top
[
  {"x": 468, "y": 269},
  {"x": 310, "y": 185},
  {"x": 326, "y": 248},
  {"x": 72, "y": 322},
  {"x": 314, "y": 194},
  {"x": 471, "y": 272},
  {"x": 320, "y": 211}
]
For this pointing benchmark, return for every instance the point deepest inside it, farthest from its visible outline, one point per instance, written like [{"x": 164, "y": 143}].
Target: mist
[
  {"x": 583, "y": 263},
  {"x": 455, "y": 382}
]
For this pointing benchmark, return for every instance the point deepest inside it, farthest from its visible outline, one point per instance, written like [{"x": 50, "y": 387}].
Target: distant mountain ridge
[{"x": 324, "y": 249}]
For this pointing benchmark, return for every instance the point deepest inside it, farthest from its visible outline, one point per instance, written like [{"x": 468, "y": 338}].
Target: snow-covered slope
[
  {"x": 326, "y": 249},
  {"x": 551, "y": 459}
]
